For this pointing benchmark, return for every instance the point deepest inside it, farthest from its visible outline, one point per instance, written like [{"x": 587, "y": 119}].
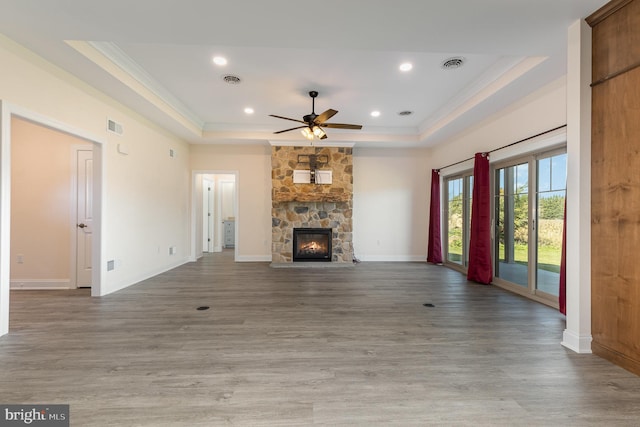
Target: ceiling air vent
[
  {"x": 114, "y": 127},
  {"x": 453, "y": 63},
  {"x": 405, "y": 113},
  {"x": 231, "y": 79}
]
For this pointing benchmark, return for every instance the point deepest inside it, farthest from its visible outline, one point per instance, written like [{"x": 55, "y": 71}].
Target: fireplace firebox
[{"x": 312, "y": 244}]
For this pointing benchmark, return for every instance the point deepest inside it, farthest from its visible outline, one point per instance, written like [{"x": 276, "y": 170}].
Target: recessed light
[
  {"x": 375, "y": 113},
  {"x": 248, "y": 110},
  {"x": 407, "y": 66},
  {"x": 220, "y": 60}
]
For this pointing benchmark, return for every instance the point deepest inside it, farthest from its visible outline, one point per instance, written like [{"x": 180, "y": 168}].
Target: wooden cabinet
[
  {"x": 229, "y": 231},
  {"x": 615, "y": 184}
]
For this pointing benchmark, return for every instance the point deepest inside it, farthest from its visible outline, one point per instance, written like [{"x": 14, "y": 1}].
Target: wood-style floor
[{"x": 291, "y": 346}]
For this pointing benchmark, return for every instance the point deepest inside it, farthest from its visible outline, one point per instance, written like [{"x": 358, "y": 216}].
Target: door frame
[
  {"x": 195, "y": 196},
  {"x": 531, "y": 290},
  {"x": 7, "y": 111},
  {"x": 74, "y": 211}
]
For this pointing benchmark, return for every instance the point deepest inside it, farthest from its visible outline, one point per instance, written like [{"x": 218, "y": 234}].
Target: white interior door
[
  {"x": 207, "y": 215},
  {"x": 84, "y": 217}
]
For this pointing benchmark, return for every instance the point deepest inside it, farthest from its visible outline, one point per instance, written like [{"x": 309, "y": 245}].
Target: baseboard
[
  {"x": 40, "y": 284},
  {"x": 617, "y": 358},
  {"x": 392, "y": 258},
  {"x": 578, "y": 343},
  {"x": 253, "y": 258},
  {"x": 139, "y": 278}
]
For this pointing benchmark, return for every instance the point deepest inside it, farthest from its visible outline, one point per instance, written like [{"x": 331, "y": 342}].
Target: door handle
[{"x": 82, "y": 225}]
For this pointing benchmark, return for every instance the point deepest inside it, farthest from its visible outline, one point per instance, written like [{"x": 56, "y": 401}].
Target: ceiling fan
[{"x": 313, "y": 123}]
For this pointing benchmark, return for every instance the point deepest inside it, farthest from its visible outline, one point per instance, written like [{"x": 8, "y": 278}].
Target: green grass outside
[{"x": 548, "y": 256}]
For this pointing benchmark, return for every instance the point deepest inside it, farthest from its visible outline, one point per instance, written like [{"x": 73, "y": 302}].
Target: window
[
  {"x": 551, "y": 194},
  {"x": 458, "y": 193}
]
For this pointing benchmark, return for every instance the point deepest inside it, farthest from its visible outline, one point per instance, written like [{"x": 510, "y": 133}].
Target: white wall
[
  {"x": 390, "y": 204},
  {"x": 253, "y": 191},
  {"x": 145, "y": 208}
]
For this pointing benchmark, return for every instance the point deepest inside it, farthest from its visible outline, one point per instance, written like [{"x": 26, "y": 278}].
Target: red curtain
[
  {"x": 562, "y": 298},
  {"x": 480, "y": 267},
  {"x": 434, "y": 249}
]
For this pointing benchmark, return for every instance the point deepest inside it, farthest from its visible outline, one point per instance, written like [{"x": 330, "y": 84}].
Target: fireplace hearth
[{"x": 312, "y": 244}]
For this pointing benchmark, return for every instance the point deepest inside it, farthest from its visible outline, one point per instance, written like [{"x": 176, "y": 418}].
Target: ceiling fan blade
[
  {"x": 287, "y": 130},
  {"x": 341, "y": 126},
  {"x": 287, "y": 118},
  {"x": 325, "y": 116}
]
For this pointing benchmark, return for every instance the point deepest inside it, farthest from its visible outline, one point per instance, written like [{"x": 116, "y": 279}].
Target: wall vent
[{"x": 115, "y": 127}]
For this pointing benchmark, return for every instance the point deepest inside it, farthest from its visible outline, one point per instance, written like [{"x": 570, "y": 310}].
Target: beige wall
[
  {"x": 41, "y": 204},
  {"x": 390, "y": 199},
  {"x": 390, "y": 204},
  {"x": 253, "y": 190}
]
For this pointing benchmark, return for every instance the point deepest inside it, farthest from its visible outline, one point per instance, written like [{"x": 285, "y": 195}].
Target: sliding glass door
[
  {"x": 458, "y": 192},
  {"x": 528, "y": 224},
  {"x": 551, "y": 194},
  {"x": 511, "y": 243}
]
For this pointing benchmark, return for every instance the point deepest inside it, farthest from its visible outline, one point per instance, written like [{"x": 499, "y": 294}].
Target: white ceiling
[{"x": 347, "y": 50}]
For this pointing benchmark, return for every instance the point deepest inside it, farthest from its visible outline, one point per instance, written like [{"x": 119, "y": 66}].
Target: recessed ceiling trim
[
  {"x": 248, "y": 128},
  {"x": 496, "y": 78},
  {"x": 106, "y": 55},
  {"x": 305, "y": 142}
]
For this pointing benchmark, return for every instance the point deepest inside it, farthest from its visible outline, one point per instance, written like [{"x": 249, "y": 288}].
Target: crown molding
[
  {"x": 605, "y": 11},
  {"x": 313, "y": 143},
  {"x": 106, "y": 55}
]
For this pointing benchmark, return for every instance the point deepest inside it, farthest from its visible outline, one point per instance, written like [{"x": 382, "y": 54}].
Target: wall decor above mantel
[{"x": 319, "y": 177}]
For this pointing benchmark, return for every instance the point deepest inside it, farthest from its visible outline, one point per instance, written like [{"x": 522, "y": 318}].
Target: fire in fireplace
[{"x": 312, "y": 244}]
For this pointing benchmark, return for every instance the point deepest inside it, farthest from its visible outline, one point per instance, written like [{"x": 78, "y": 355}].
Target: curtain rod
[{"x": 506, "y": 146}]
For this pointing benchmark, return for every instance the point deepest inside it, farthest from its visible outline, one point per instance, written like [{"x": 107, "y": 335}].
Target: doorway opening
[
  {"x": 44, "y": 256},
  {"x": 215, "y": 212}
]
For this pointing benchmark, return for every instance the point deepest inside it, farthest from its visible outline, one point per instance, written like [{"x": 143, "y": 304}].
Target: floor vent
[
  {"x": 428, "y": 305},
  {"x": 202, "y": 308}
]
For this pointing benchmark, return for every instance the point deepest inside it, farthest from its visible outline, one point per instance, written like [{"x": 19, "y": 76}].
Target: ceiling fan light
[
  {"x": 307, "y": 133},
  {"x": 318, "y": 132}
]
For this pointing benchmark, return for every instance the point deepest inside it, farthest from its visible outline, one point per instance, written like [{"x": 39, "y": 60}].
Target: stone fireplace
[{"x": 311, "y": 206}]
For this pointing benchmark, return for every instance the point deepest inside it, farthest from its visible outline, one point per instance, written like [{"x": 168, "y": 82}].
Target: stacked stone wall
[{"x": 312, "y": 205}]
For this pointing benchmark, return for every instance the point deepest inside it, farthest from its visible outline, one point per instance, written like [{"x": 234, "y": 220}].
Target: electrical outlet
[
  {"x": 20, "y": 259},
  {"x": 111, "y": 264},
  {"x": 172, "y": 250}
]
